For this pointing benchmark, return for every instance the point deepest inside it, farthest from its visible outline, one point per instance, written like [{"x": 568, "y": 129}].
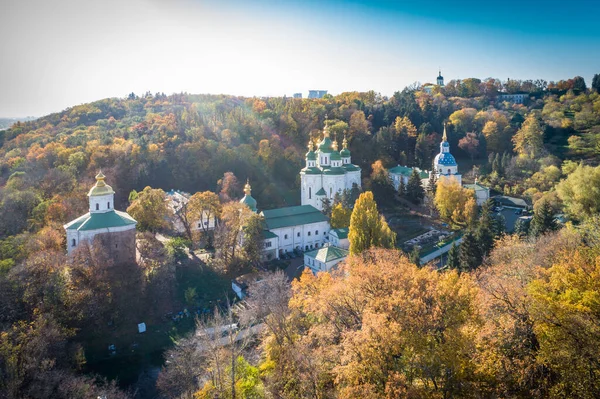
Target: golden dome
[{"x": 100, "y": 188}]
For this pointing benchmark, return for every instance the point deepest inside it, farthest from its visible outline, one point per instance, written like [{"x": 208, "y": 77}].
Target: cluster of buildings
[{"x": 292, "y": 230}]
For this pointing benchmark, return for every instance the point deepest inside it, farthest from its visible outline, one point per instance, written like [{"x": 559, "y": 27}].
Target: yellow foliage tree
[
  {"x": 340, "y": 216},
  {"x": 367, "y": 228},
  {"x": 455, "y": 204}
]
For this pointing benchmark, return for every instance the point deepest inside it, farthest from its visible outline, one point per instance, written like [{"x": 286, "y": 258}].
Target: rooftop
[
  {"x": 327, "y": 254},
  {"x": 476, "y": 187},
  {"x": 103, "y": 220},
  {"x": 292, "y": 216},
  {"x": 340, "y": 233},
  {"x": 407, "y": 171},
  {"x": 510, "y": 201}
]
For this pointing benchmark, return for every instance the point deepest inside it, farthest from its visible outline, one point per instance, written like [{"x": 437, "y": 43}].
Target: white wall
[
  {"x": 88, "y": 235},
  {"x": 298, "y": 236}
]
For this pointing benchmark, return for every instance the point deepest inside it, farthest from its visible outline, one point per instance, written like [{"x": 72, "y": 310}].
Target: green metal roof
[
  {"x": 335, "y": 156},
  {"x": 292, "y": 216},
  {"x": 334, "y": 171},
  {"x": 249, "y": 201},
  {"x": 476, "y": 187},
  {"x": 311, "y": 171},
  {"x": 327, "y": 254},
  {"x": 100, "y": 220},
  {"x": 325, "y": 145},
  {"x": 350, "y": 167},
  {"x": 321, "y": 192},
  {"x": 340, "y": 233},
  {"x": 311, "y": 156},
  {"x": 406, "y": 171},
  {"x": 267, "y": 234},
  {"x": 345, "y": 153}
]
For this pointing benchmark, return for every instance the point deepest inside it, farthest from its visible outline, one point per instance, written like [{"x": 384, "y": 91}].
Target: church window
[
  {"x": 317, "y": 245},
  {"x": 440, "y": 170},
  {"x": 309, "y": 193},
  {"x": 285, "y": 236},
  {"x": 316, "y": 232},
  {"x": 97, "y": 207},
  {"x": 325, "y": 159},
  {"x": 73, "y": 242},
  {"x": 306, "y": 248},
  {"x": 298, "y": 234},
  {"x": 309, "y": 233},
  {"x": 116, "y": 245},
  {"x": 108, "y": 205},
  {"x": 449, "y": 171}
]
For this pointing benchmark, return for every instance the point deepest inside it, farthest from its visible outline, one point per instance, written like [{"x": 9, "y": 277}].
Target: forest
[{"x": 520, "y": 321}]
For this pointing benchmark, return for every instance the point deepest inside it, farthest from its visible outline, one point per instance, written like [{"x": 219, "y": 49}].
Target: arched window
[
  {"x": 440, "y": 170},
  {"x": 309, "y": 193},
  {"x": 73, "y": 242},
  {"x": 108, "y": 205},
  {"x": 449, "y": 171},
  {"x": 317, "y": 245},
  {"x": 309, "y": 233},
  {"x": 97, "y": 206}
]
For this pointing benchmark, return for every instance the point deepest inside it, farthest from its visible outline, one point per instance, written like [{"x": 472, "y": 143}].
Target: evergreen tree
[
  {"x": 415, "y": 256},
  {"x": 496, "y": 165},
  {"x": 596, "y": 83},
  {"x": 327, "y": 207},
  {"x": 486, "y": 228},
  {"x": 367, "y": 228},
  {"x": 414, "y": 188},
  {"x": 505, "y": 161},
  {"x": 543, "y": 220},
  {"x": 453, "y": 261},
  {"x": 402, "y": 188},
  {"x": 431, "y": 185},
  {"x": 469, "y": 253},
  {"x": 521, "y": 227}
]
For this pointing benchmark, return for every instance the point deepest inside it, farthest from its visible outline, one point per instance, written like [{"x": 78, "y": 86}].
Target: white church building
[{"x": 327, "y": 172}]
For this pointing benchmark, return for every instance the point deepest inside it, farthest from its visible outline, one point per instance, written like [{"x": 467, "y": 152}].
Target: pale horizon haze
[{"x": 57, "y": 54}]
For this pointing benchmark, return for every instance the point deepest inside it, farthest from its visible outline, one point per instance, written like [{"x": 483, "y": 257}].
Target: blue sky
[{"x": 68, "y": 52}]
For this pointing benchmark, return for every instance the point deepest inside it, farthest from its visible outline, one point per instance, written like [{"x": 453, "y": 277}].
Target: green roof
[
  {"x": 292, "y": 216},
  {"x": 350, "y": 167},
  {"x": 340, "y": 233},
  {"x": 406, "y": 171},
  {"x": 335, "y": 156},
  {"x": 325, "y": 145},
  {"x": 345, "y": 153},
  {"x": 249, "y": 201},
  {"x": 100, "y": 220},
  {"x": 475, "y": 187},
  {"x": 267, "y": 234},
  {"x": 311, "y": 156},
  {"x": 321, "y": 192},
  {"x": 334, "y": 171},
  {"x": 327, "y": 254},
  {"x": 311, "y": 171}
]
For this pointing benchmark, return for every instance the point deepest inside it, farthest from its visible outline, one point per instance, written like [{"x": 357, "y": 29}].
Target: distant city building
[
  {"x": 297, "y": 95},
  {"x": 112, "y": 230},
  {"x": 517, "y": 98},
  {"x": 440, "y": 79},
  {"x": 444, "y": 163},
  {"x": 316, "y": 93}
]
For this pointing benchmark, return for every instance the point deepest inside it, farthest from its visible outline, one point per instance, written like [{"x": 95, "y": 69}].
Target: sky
[{"x": 60, "y": 53}]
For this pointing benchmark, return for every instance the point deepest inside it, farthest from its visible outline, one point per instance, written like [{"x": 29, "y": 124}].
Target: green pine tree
[
  {"x": 415, "y": 256},
  {"x": 414, "y": 188},
  {"x": 453, "y": 261},
  {"x": 469, "y": 254},
  {"x": 543, "y": 220}
]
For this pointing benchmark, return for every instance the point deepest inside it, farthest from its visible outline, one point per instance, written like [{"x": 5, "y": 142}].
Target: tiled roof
[
  {"x": 100, "y": 220},
  {"x": 292, "y": 216},
  {"x": 327, "y": 254},
  {"x": 340, "y": 233}
]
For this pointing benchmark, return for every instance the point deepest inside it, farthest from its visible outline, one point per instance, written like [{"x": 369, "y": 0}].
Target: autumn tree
[
  {"x": 367, "y": 228},
  {"x": 381, "y": 184},
  {"x": 579, "y": 192},
  {"x": 202, "y": 208},
  {"x": 455, "y": 204},
  {"x": 150, "y": 210},
  {"x": 340, "y": 216},
  {"x": 529, "y": 138},
  {"x": 229, "y": 233},
  {"x": 229, "y": 187}
]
